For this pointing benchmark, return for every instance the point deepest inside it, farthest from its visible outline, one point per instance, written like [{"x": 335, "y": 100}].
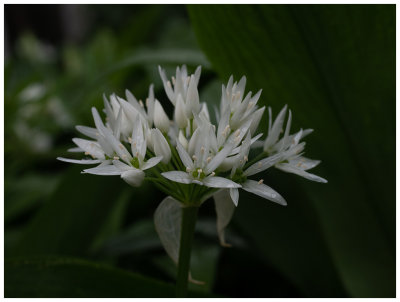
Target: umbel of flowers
[{"x": 190, "y": 158}]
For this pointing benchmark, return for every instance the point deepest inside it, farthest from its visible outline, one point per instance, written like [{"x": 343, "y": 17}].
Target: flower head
[{"x": 188, "y": 157}]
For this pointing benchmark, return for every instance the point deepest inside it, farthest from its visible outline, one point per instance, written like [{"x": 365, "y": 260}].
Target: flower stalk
[{"x": 189, "y": 215}]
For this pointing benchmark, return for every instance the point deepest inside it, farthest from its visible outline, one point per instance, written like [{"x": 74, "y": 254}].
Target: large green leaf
[
  {"x": 62, "y": 277},
  {"x": 74, "y": 216},
  {"x": 289, "y": 238},
  {"x": 334, "y": 65},
  {"x": 56, "y": 277}
]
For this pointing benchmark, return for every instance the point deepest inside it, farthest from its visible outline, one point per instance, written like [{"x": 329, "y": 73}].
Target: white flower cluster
[{"x": 188, "y": 157}]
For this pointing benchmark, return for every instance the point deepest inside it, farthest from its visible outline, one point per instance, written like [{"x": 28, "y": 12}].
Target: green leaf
[
  {"x": 160, "y": 56},
  {"x": 70, "y": 221},
  {"x": 57, "y": 277},
  {"x": 334, "y": 65},
  {"x": 27, "y": 192},
  {"x": 289, "y": 238},
  {"x": 63, "y": 277},
  {"x": 139, "y": 237}
]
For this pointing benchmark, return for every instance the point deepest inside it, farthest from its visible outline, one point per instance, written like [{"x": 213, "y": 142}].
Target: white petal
[
  {"x": 179, "y": 115},
  {"x": 133, "y": 101},
  {"x": 105, "y": 145},
  {"x": 276, "y": 128},
  {"x": 234, "y": 193},
  {"x": 228, "y": 163},
  {"x": 285, "y": 139},
  {"x": 192, "y": 98},
  {"x": 90, "y": 147},
  {"x": 161, "y": 146},
  {"x": 104, "y": 170},
  {"x": 304, "y": 163},
  {"x": 306, "y": 132},
  {"x": 109, "y": 112},
  {"x": 185, "y": 158},
  {"x": 134, "y": 177},
  {"x": 263, "y": 191},
  {"x": 150, "y": 105},
  {"x": 195, "y": 181},
  {"x": 79, "y": 161},
  {"x": 118, "y": 124},
  {"x": 117, "y": 146},
  {"x": 151, "y": 162},
  {"x": 218, "y": 159},
  {"x": 167, "y": 87},
  {"x": 253, "y": 143},
  {"x": 295, "y": 170},
  {"x": 263, "y": 164},
  {"x": 177, "y": 176},
  {"x": 182, "y": 139},
  {"x": 203, "y": 146},
  {"x": 241, "y": 86},
  {"x": 138, "y": 142},
  {"x": 197, "y": 74},
  {"x": 219, "y": 182},
  {"x": 236, "y": 139},
  {"x": 194, "y": 141},
  {"x": 168, "y": 220},
  {"x": 129, "y": 110},
  {"x": 75, "y": 150},
  {"x": 255, "y": 120},
  {"x": 161, "y": 120},
  {"x": 97, "y": 120},
  {"x": 254, "y": 139},
  {"x": 223, "y": 122},
  {"x": 294, "y": 150},
  {"x": 224, "y": 208},
  {"x": 88, "y": 131},
  {"x": 204, "y": 111},
  {"x": 297, "y": 137},
  {"x": 239, "y": 112},
  {"x": 121, "y": 166}
]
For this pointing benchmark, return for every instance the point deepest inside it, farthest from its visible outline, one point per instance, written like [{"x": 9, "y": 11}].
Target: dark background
[{"x": 74, "y": 235}]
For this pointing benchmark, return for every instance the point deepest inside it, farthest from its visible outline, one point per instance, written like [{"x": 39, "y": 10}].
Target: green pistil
[
  {"x": 239, "y": 177},
  {"x": 110, "y": 157},
  {"x": 135, "y": 162},
  {"x": 197, "y": 174}
]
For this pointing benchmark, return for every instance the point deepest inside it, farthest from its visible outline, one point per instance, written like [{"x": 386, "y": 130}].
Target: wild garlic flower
[
  {"x": 289, "y": 147},
  {"x": 240, "y": 174},
  {"x": 188, "y": 157}
]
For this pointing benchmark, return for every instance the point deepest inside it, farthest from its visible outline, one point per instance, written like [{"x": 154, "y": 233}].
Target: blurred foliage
[{"x": 73, "y": 235}]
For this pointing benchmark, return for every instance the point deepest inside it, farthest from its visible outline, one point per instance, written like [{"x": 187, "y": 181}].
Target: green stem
[{"x": 189, "y": 215}]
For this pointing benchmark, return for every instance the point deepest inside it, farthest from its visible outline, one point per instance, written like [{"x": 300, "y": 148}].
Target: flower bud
[{"x": 161, "y": 120}]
